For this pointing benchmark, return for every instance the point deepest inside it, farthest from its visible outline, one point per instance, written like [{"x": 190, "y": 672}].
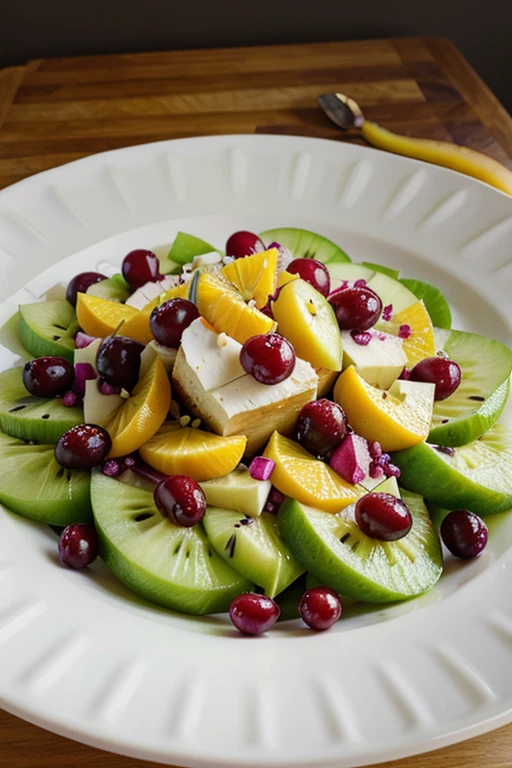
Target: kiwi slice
[
  {"x": 305, "y": 244},
  {"x": 48, "y": 328},
  {"x": 39, "y": 419},
  {"x": 113, "y": 288},
  {"x": 389, "y": 271},
  {"x": 335, "y": 550},
  {"x": 253, "y": 547},
  {"x": 34, "y": 485},
  {"x": 476, "y": 476},
  {"x": 434, "y": 300},
  {"x": 479, "y": 400},
  {"x": 185, "y": 247},
  {"x": 165, "y": 563}
]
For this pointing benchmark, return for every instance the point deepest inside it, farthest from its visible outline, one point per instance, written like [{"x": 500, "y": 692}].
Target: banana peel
[{"x": 346, "y": 113}]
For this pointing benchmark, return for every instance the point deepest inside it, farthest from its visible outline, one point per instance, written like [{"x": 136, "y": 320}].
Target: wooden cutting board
[{"x": 57, "y": 110}]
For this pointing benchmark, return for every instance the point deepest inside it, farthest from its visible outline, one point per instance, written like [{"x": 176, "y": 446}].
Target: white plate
[{"x": 81, "y": 656}]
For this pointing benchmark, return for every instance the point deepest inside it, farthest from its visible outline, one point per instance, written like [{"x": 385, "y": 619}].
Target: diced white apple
[
  {"x": 147, "y": 358},
  {"x": 150, "y": 291},
  {"x": 87, "y": 354},
  {"x": 98, "y": 408},
  {"x": 237, "y": 491},
  {"x": 388, "y": 485},
  {"x": 166, "y": 354},
  {"x": 215, "y": 358},
  {"x": 419, "y": 391},
  {"x": 206, "y": 260},
  {"x": 351, "y": 459},
  {"x": 379, "y": 362}
]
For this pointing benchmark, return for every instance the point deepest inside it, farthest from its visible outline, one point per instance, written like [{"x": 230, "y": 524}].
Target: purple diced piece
[
  {"x": 261, "y": 468},
  {"x": 387, "y": 312}
]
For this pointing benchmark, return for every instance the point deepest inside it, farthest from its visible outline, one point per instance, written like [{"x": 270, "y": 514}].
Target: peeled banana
[{"x": 345, "y": 112}]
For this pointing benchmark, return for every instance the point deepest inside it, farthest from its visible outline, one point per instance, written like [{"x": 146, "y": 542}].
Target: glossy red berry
[
  {"x": 78, "y": 545},
  {"x": 80, "y": 283},
  {"x": 320, "y": 608},
  {"x": 169, "y": 320},
  {"x": 48, "y": 376},
  {"x": 140, "y": 267},
  {"x": 383, "y": 516},
  {"x": 83, "y": 447},
  {"x": 464, "y": 533},
  {"x": 181, "y": 500},
  {"x": 444, "y": 373},
  {"x": 243, "y": 243},
  {"x": 268, "y": 358},
  {"x": 253, "y": 614},
  {"x": 313, "y": 272},
  {"x": 321, "y": 426},
  {"x": 356, "y": 308}
]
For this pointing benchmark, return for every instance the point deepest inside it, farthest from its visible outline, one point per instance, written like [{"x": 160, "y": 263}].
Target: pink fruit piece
[
  {"x": 83, "y": 372},
  {"x": 83, "y": 340},
  {"x": 351, "y": 459},
  {"x": 261, "y": 468}
]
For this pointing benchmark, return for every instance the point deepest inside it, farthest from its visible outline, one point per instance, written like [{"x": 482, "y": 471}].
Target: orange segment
[
  {"x": 201, "y": 455},
  {"x": 255, "y": 276},
  {"x": 100, "y": 317},
  {"x": 302, "y": 477},
  {"x": 137, "y": 420},
  {"x": 420, "y": 343},
  {"x": 397, "y": 419},
  {"x": 285, "y": 277},
  {"x": 222, "y": 305}
]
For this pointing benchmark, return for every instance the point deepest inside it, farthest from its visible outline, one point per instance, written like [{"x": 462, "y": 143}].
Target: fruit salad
[{"x": 229, "y": 428}]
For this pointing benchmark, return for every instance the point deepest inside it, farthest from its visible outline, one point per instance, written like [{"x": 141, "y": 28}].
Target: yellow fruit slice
[
  {"x": 308, "y": 321},
  {"x": 397, "y": 419},
  {"x": 285, "y": 277},
  {"x": 420, "y": 343},
  {"x": 302, "y": 477},
  {"x": 100, "y": 317},
  {"x": 137, "y": 420},
  {"x": 201, "y": 455},
  {"x": 219, "y": 302},
  {"x": 255, "y": 276}
]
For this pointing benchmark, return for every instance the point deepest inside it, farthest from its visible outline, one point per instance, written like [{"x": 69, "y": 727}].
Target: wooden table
[{"x": 57, "y": 110}]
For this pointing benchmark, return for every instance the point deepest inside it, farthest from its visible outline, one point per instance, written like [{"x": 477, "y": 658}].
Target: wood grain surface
[{"x": 58, "y": 110}]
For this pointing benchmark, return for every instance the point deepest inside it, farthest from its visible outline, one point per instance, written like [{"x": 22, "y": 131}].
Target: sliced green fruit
[
  {"x": 335, "y": 550},
  {"x": 39, "y": 419},
  {"x": 49, "y": 328},
  {"x": 477, "y": 476},
  {"x": 394, "y": 273},
  {"x": 114, "y": 288},
  {"x": 185, "y": 247},
  {"x": 308, "y": 321},
  {"x": 238, "y": 492},
  {"x": 168, "y": 564},
  {"x": 434, "y": 300},
  {"x": 34, "y": 485},
  {"x": 12, "y": 351},
  {"x": 168, "y": 267},
  {"x": 391, "y": 291},
  {"x": 479, "y": 400},
  {"x": 305, "y": 244},
  {"x": 253, "y": 547}
]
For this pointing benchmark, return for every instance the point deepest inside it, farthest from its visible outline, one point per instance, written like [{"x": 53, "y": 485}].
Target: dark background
[{"x": 42, "y": 28}]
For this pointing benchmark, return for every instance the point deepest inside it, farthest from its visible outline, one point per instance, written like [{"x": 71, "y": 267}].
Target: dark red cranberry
[
  {"x": 243, "y": 243},
  {"x": 140, "y": 267},
  {"x": 320, "y": 608},
  {"x": 464, "y": 533},
  {"x": 356, "y": 308},
  {"x": 78, "y": 545},
  {"x": 83, "y": 447},
  {"x": 313, "y": 272},
  {"x": 181, "y": 500},
  {"x": 48, "y": 376},
  {"x": 274, "y": 501},
  {"x": 118, "y": 361},
  {"x": 321, "y": 426},
  {"x": 253, "y": 614},
  {"x": 169, "y": 320},
  {"x": 383, "y": 516},
  {"x": 444, "y": 373},
  {"x": 268, "y": 358},
  {"x": 80, "y": 283}
]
